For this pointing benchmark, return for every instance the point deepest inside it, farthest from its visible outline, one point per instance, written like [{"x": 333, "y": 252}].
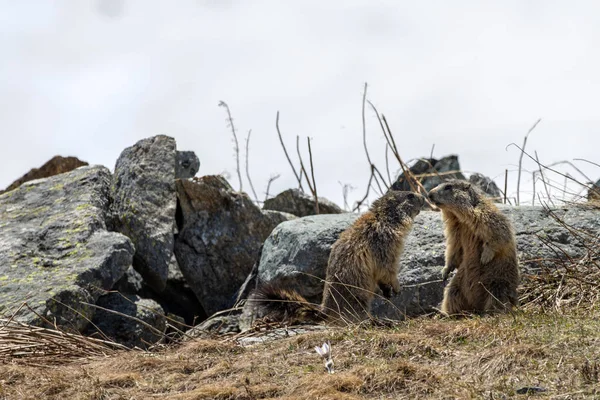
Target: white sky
[{"x": 89, "y": 78}]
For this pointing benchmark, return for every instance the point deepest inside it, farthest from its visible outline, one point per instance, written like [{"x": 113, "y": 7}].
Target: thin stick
[
  {"x": 237, "y": 147},
  {"x": 298, "y": 177},
  {"x": 521, "y": 161},
  {"x": 312, "y": 173},
  {"x": 247, "y": 169},
  {"x": 271, "y": 179},
  {"x": 543, "y": 179},
  {"x": 364, "y": 125},
  {"x": 302, "y": 169},
  {"x": 587, "y": 161},
  {"x": 364, "y": 133},
  {"x": 387, "y": 164},
  {"x": 431, "y": 154}
]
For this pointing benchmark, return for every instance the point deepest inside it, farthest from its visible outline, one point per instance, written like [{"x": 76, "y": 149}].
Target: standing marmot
[
  {"x": 365, "y": 257},
  {"x": 480, "y": 244}
]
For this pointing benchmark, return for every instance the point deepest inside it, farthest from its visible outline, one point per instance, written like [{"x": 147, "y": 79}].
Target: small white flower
[{"x": 325, "y": 352}]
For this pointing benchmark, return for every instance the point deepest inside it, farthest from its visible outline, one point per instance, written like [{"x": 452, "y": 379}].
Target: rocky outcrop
[
  {"x": 487, "y": 186},
  {"x": 295, "y": 254},
  {"x": 187, "y": 164},
  {"x": 220, "y": 234},
  {"x": 55, "y": 252},
  {"x": 135, "y": 322},
  {"x": 56, "y": 165},
  {"x": 177, "y": 297},
  {"x": 144, "y": 204},
  {"x": 300, "y": 204},
  {"x": 431, "y": 172}
]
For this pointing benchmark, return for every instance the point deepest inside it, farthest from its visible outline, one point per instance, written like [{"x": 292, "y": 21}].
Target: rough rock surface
[
  {"x": 300, "y": 204},
  {"x": 124, "y": 329},
  {"x": 220, "y": 234},
  {"x": 487, "y": 186},
  {"x": 429, "y": 169},
  {"x": 56, "y": 165},
  {"x": 144, "y": 204},
  {"x": 55, "y": 250},
  {"x": 187, "y": 164},
  {"x": 295, "y": 254}
]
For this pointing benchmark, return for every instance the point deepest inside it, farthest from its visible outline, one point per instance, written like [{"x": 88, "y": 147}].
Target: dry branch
[
  {"x": 237, "y": 147},
  {"x": 521, "y": 160},
  {"x": 298, "y": 176},
  {"x": 247, "y": 168}
]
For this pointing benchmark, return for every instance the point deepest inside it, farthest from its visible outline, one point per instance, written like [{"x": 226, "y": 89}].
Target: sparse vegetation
[{"x": 489, "y": 357}]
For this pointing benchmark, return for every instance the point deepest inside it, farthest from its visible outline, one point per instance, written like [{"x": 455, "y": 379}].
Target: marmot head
[
  {"x": 397, "y": 205},
  {"x": 455, "y": 194}
]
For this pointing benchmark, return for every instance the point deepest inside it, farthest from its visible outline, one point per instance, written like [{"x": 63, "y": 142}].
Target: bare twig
[
  {"x": 312, "y": 173},
  {"x": 302, "y": 169},
  {"x": 387, "y": 165},
  {"x": 364, "y": 125},
  {"x": 543, "y": 179},
  {"x": 547, "y": 167},
  {"x": 587, "y": 161},
  {"x": 247, "y": 169},
  {"x": 237, "y": 147},
  {"x": 346, "y": 188},
  {"x": 271, "y": 179},
  {"x": 364, "y": 133},
  {"x": 431, "y": 154},
  {"x": 521, "y": 160},
  {"x": 298, "y": 176}
]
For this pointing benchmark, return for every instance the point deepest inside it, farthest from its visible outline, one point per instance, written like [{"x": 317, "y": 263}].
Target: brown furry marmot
[
  {"x": 481, "y": 246},
  {"x": 365, "y": 257}
]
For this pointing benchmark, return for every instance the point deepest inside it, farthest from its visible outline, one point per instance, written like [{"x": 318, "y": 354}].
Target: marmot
[
  {"x": 365, "y": 257},
  {"x": 480, "y": 244}
]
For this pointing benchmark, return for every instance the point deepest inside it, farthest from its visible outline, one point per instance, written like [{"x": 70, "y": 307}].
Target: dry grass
[{"x": 489, "y": 357}]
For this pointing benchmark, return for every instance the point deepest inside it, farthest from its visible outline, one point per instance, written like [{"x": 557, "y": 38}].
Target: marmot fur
[
  {"x": 481, "y": 246},
  {"x": 365, "y": 257}
]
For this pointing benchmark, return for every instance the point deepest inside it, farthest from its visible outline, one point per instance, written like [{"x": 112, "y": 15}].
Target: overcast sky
[{"x": 89, "y": 78}]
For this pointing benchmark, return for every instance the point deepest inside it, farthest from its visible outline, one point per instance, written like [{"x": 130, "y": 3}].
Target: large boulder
[
  {"x": 300, "y": 204},
  {"x": 55, "y": 252},
  {"x": 128, "y": 320},
  {"x": 56, "y": 165},
  {"x": 144, "y": 204},
  {"x": 431, "y": 172},
  {"x": 220, "y": 235},
  {"x": 295, "y": 254}
]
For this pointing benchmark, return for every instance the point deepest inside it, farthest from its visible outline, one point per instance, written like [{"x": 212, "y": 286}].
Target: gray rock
[
  {"x": 55, "y": 252},
  {"x": 177, "y": 297},
  {"x": 217, "y": 324},
  {"x": 295, "y": 254},
  {"x": 300, "y": 204},
  {"x": 431, "y": 172},
  {"x": 220, "y": 234},
  {"x": 144, "y": 203},
  {"x": 187, "y": 164},
  {"x": 487, "y": 186},
  {"x": 142, "y": 321}
]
